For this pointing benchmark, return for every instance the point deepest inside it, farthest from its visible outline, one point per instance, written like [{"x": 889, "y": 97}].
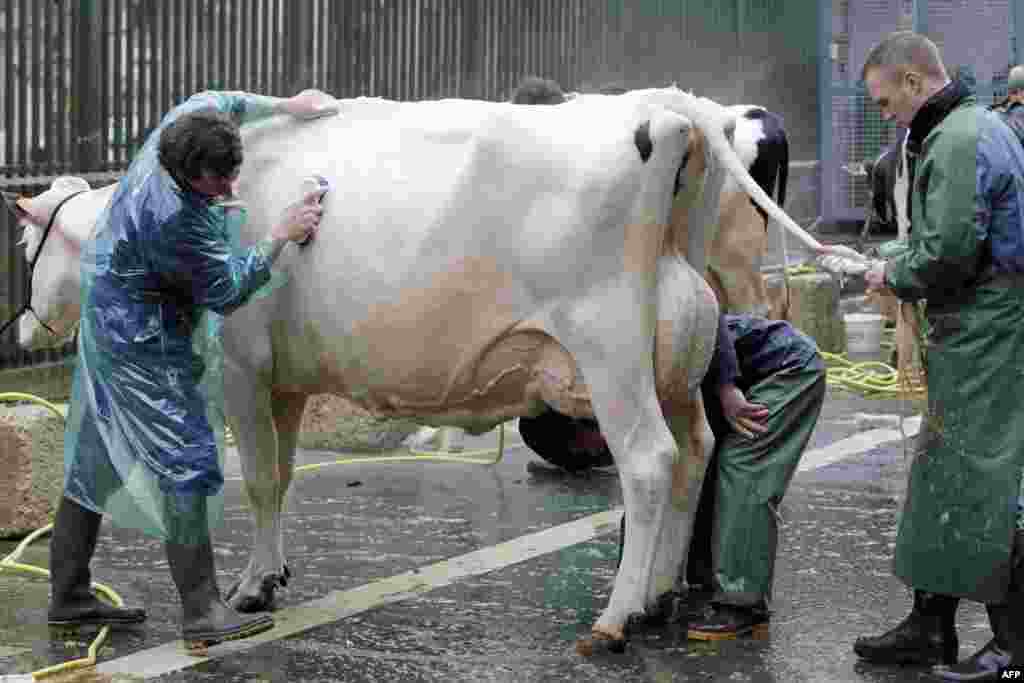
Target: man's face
[
  {"x": 214, "y": 184},
  {"x": 897, "y": 94}
]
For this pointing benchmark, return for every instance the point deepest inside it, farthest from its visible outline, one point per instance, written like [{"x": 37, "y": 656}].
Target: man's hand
[
  {"x": 311, "y": 104},
  {"x": 301, "y": 219},
  {"x": 875, "y": 276},
  {"x": 749, "y": 419}
]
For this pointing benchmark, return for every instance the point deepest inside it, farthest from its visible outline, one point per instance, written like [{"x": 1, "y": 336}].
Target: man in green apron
[{"x": 960, "y": 533}]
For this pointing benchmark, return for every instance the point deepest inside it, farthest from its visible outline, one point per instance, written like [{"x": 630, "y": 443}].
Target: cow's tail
[{"x": 711, "y": 118}]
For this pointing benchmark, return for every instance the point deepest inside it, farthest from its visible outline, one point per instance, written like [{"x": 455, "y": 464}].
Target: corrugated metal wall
[
  {"x": 85, "y": 80},
  {"x": 974, "y": 35}
]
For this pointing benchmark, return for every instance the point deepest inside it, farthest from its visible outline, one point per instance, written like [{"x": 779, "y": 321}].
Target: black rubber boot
[
  {"x": 206, "y": 618},
  {"x": 926, "y": 636},
  {"x": 72, "y": 544},
  {"x": 728, "y": 622}
]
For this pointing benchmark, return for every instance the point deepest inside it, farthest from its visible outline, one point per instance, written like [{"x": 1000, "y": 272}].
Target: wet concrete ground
[{"x": 513, "y": 619}]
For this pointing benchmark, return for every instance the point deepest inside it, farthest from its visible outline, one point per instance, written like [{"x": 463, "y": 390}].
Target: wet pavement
[{"x": 453, "y": 572}]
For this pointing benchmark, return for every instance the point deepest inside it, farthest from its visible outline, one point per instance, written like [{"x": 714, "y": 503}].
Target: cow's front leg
[{"x": 266, "y": 427}]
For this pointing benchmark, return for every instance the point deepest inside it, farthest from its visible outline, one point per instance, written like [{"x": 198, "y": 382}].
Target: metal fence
[
  {"x": 976, "y": 37},
  {"x": 84, "y": 81}
]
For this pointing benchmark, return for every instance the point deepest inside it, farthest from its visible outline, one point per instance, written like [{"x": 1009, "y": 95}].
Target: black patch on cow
[
  {"x": 730, "y": 130},
  {"x": 772, "y": 158},
  {"x": 678, "y": 185},
  {"x": 643, "y": 142}
]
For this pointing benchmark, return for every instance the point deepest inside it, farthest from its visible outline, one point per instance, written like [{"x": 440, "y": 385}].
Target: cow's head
[{"x": 56, "y": 275}]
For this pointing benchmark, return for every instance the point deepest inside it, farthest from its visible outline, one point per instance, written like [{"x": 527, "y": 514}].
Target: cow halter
[{"x": 27, "y": 306}]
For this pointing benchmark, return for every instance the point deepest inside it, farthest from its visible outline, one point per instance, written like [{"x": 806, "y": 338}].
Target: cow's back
[{"x": 448, "y": 227}]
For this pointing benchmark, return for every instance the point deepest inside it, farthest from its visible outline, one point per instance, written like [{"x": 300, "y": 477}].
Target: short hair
[
  {"x": 1015, "y": 79},
  {"x": 905, "y": 51},
  {"x": 204, "y": 140},
  {"x": 537, "y": 90},
  {"x": 612, "y": 89}
]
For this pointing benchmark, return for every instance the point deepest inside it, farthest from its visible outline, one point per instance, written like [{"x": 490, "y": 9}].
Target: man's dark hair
[
  {"x": 205, "y": 140},
  {"x": 537, "y": 90}
]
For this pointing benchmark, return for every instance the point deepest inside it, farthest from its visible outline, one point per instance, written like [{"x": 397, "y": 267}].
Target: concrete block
[
  {"x": 812, "y": 306},
  {"x": 335, "y": 424},
  {"x": 31, "y": 468}
]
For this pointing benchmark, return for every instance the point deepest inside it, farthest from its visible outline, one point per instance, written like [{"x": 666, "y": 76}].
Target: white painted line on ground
[
  {"x": 858, "y": 443},
  {"x": 337, "y": 605}
]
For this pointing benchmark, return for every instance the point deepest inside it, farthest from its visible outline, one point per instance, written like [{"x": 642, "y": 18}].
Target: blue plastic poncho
[{"x": 145, "y": 430}]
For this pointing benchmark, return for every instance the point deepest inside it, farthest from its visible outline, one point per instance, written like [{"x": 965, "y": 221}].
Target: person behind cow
[
  {"x": 1012, "y": 108},
  {"x": 537, "y": 90},
  {"x": 145, "y": 427},
  {"x": 961, "y": 531},
  {"x": 762, "y": 395}
]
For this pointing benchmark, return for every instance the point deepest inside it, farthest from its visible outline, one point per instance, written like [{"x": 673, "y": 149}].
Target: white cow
[{"x": 477, "y": 261}]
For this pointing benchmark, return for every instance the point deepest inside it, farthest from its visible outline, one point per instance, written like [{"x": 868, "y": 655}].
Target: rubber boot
[
  {"x": 926, "y": 636},
  {"x": 206, "y": 618},
  {"x": 72, "y": 544}
]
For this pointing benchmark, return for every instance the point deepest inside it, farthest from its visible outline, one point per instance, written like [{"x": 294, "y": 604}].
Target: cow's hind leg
[
  {"x": 644, "y": 452},
  {"x": 694, "y": 439},
  {"x": 267, "y": 431}
]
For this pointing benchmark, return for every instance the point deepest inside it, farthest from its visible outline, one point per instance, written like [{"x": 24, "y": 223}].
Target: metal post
[
  {"x": 86, "y": 118},
  {"x": 299, "y": 42},
  {"x": 825, "y": 156},
  {"x": 1016, "y": 16},
  {"x": 920, "y": 21}
]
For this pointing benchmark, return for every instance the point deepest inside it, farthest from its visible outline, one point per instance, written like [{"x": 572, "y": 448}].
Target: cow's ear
[{"x": 11, "y": 201}]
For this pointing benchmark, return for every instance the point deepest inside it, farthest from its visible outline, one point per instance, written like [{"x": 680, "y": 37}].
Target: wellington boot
[
  {"x": 72, "y": 544},
  {"x": 207, "y": 619},
  {"x": 926, "y": 636}
]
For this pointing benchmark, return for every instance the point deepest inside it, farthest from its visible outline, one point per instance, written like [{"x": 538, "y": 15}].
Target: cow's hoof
[
  {"x": 601, "y": 641},
  {"x": 669, "y": 608},
  {"x": 265, "y": 597}
]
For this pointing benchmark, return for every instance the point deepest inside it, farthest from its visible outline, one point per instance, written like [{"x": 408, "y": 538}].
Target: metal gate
[{"x": 977, "y": 39}]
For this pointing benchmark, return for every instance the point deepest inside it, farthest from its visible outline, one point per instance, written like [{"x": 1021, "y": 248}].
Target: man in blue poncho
[{"x": 145, "y": 429}]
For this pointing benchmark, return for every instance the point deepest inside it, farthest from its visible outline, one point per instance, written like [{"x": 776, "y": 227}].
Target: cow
[{"x": 477, "y": 261}]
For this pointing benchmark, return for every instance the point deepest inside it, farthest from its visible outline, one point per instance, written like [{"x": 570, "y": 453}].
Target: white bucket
[{"x": 864, "y": 332}]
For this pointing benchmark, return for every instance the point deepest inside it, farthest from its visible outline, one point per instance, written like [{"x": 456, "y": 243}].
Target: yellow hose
[
  {"x": 871, "y": 378},
  {"x": 11, "y": 564}
]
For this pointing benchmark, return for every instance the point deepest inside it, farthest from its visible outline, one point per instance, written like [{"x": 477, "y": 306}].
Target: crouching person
[{"x": 762, "y": 395}]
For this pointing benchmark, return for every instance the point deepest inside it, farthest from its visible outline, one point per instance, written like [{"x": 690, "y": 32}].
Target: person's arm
[
  {"x": 724, "y": 367},
  {"x": 249, "y": 107},
  {"x": 744, "y": 417},
  {"x": 196, "y": 255},
  {"x": 944, "y": 251}
]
